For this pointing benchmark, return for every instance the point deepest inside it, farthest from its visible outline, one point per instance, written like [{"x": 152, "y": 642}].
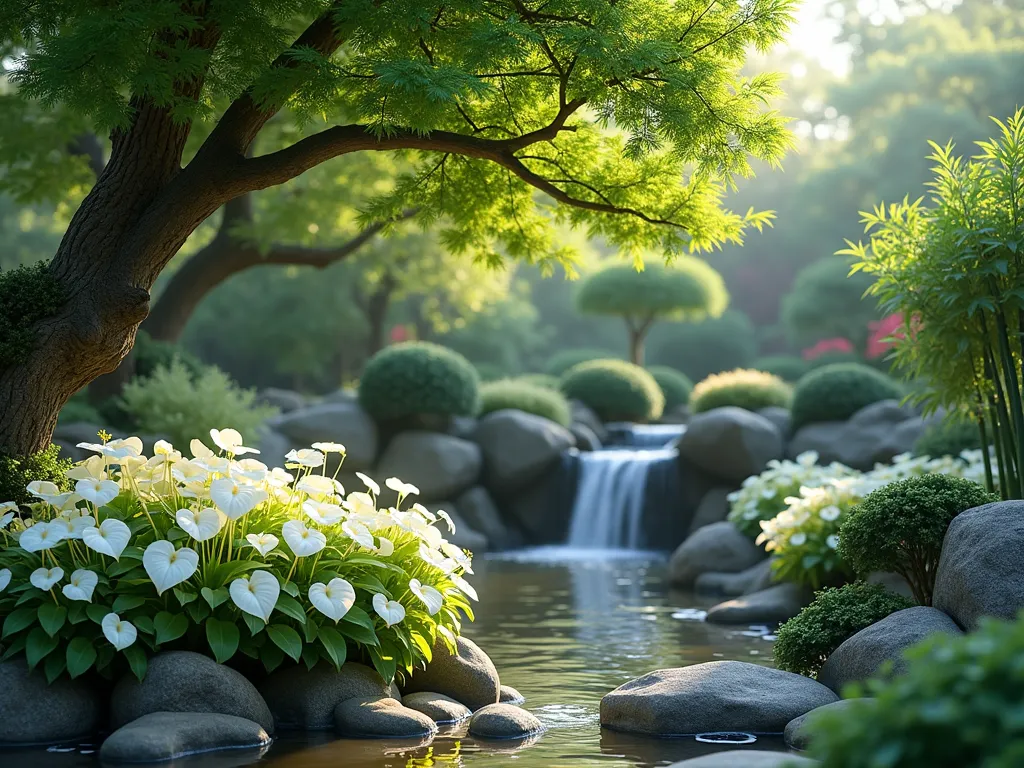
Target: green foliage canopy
[
  {"x": 828, "y": 302},
  {"x": 711, "y": 346}
]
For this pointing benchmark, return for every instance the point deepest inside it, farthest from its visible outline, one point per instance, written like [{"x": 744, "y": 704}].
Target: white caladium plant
[{"x": 221, "y": 554}]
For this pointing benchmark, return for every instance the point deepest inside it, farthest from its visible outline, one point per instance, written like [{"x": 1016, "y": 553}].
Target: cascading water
[{"x": 645, "y": 435}]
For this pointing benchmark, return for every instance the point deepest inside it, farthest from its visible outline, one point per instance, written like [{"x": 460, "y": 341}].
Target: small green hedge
[
  {"x": 786, "y": 367},
  {"x": 560, "y": 362},
  {"x": 949, "y": 437},
  {"x": 809, "y": 638},
  {"x": 523, "y": 396},
  {"x": 615, "y": 390},
  {"x": 836, "y": 392},
  {"x": 675, "y": 386},
  {"x": 748, "y": 389},
  {"x": 545, "y": 380},
  {"x": 419, "y": 379},
  {"x": 16, "y": 472}
]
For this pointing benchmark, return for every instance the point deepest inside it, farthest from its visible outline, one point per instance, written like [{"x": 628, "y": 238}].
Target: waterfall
[
  {"x": 616, "y": 486},
  {"x": 644, "y": 435}
]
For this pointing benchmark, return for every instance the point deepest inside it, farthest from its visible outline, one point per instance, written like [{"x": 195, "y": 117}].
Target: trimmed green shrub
[
  {"x": 710, "y": 346},
  {"x": 956, "y": 705},
  {"x": 489, "y": 371},
  {"x": 786, "y": 367},
  {"x": 27, "y": 295},
  {"x": 151, "y": 354},
  {"x": 742, "y": 388},
  {"x": 419, "y": 379},
  {"x": 560, "y": 362},
  {"x": 949, "y": 437},
  {"x": 674, "y": 385},
  {"x": 523, "y": 396},
  {"x": 16, "y": 472},
  {"x": 899, "y": 528},
  {"x": 540, "y": 380},
  {"x": 174, "y": 403},
  {"x": 837, "y": 613},
  {"x": 615, "y": 390},
  {"x": 836, "y": 392}
]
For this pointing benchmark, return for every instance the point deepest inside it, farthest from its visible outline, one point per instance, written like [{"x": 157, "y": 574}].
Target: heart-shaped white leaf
[
  {"x": 235, "y": 499},
  {"x": 121, "y": 634},
  {"x": 109, "y": 538},
  {"x": 256, "y": 595},
  {"x": 41, "y": 536},
  {"x": 390, "y": 610},
  {"x": 45, "y": 578},
  {"x": 201, "y": 525},
  {"x": 167, "y": 567},
  {"x": 81, "y": 585},
  {"x": 333, "y": 599},
  {"x": 301, "y": 540},
  {"x": 5, "y": 578},
  {"x": 99, "y": 491},
  {"x": 263, "y": 543},
  {"x": 429, "y": 596}
]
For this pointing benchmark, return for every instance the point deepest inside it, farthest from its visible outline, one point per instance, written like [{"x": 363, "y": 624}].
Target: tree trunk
[
  {"x": 376, "y": 309},
  {"x": 636, "y": 346}
]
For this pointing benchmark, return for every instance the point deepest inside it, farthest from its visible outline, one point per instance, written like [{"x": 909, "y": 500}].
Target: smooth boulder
[
  {"x": 583, "y": 414},
  {"x": 503, "y": 721},
  {"x": 861, "y": 656},
  {"x": 161, "y": 736},
  {"x": 713, "y": 696},
  {"x": 979, "y": 573},
  {"x": 730, "y": 443},
  {"x": 717, "y": 547},
  {"x": 468, "y": 677},
  {"x": 747, "y": 758},
  {"x": 800, "y": 731},
  {"x": 285, "y": 400},
  {"x": 34, "y": 712},
  {"x": 713, "y": 508},
  {"x": 518, "y": 448},
  {"x": 753, "y": 579},
  {"x": 305, "y": 699},
  {"x": 342, "y": 422},
  {"x": 510, "y": 695},
  {"x": 441, "y": 466},
  {"x": 478, "y": 509},
  {"x": 381, "y": 718},
  {"x": 183, "y": 681},
  {"x": 773, "y": 605},
  {"x": 778, "y": 416},
  {"x": 438, "y": 707},
  {"x": 465, "y": 536}
]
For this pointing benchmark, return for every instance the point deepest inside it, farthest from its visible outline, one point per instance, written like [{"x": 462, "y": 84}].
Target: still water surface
[{"x": 563, "y": 627}]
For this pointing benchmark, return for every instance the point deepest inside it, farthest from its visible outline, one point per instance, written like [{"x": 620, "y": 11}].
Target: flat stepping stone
[
  {"x": 438, "y": 707},
  {"x": 162, "y": 736},
  {"x": 503, "y": 721},
  {"x": 381, "y": 718}
]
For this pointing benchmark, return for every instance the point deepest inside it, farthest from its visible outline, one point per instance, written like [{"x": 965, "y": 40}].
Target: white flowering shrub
[
  {"x": 222, "y": 555},
  {"x": 803, "y": 537}
]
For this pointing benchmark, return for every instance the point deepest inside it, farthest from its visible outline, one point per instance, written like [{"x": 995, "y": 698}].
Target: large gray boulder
[
  {"x": 34, "y": 712},
  {"x": 164, "y": 736},
  {"x": 979, "y": 573},
  {"x": 582, "y": 414},
  {"x": 717, "y": 547},
  {"x": 465, "y": 536},
  {"x": 778, "y": 416},
  {"x": 503, "y": 721},
  {"x": 478, "y": 510},
  {"x": 380, "y": 718},
  {"x": 510, "y": 695},
  {"x": 305, "y": 698},
  {"x": 714, "y": 696},
  {"x": 773, "y": 605},
  {"x": 754, "y": 579},
  {"x": 861, "y": 656},
  {"x": 731, "y": 443},
  {"x": 799, "y": 732},
  {"x": 468, "y": 677},
  {"x": 438, "y": 707},
  {"x": 342, "y": 422},
  {"x": 713, "y": 508},
  {"x": 183, "y": 681},
  {"x": 586, "y": 440},
  {"x": 518, "y": 448},
  {"x": 747, "y": 758},
  {"x": 441, "y": 466},
  {"x": 285, "y": 400}
]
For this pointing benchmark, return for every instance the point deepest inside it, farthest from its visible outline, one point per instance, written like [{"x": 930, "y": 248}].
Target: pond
[{"x": 564, "y": 627}]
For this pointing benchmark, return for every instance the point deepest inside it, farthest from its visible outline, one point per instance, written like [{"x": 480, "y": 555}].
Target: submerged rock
[
  {"x": 510, "y": 695},
  {"x": 773, "y": 605},
  {"x": 469, "y": 677},
  {"x": 717, "y": 547},
  {"x": 747, "y": 758},
  {"x": 380, "y": 718},
  {"x": 503, "y": 721},
  {"x": 799, "y": 731},
  {"x": 305, "y": 699},
  {"x": 754, "y": 579},
  {"x": 33, "y": 712},
  {"x": 438, "y": 707},
  {"x": 163, "y": 736},
  {"x": 714, "y": 696}
]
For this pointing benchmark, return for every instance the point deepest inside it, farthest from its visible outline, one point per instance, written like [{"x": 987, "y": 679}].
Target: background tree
[
  {"x": 827, "y": 302},
  {"x": 496, "y": 102},
  {"x": 688, "y": 289}
]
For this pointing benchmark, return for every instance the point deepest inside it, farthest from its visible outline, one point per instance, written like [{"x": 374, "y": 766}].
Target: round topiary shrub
[
  {"x": 615, "y": 390},
  {"x": 786, "y": 367},
  {"x": 955, "y": 706},
  {"x": 710, "y": 346},
  {"x": 560, "y": 362},
  {"x": 899, "y": 528},
  {"x": 949, "y": 437},
  {"x": 545, "y": 380},
  {"x": 742, "y": 388},
  {"x": 523, "y": 396},
  {"x": 809, "y": 638},
  {"x": 675, "y": 386},
  {"x": 836, "y": 392},
  {"x": 419, "y": 379}
]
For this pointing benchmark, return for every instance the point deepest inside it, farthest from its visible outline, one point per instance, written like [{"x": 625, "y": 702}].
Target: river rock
[
  {"x": 285, "y": 400},
  {"x": 441, "y": 466},
  {"x": 713, "y": 508},
  {"x": 859, "y": 657},
  {"x": 469, "y": 677},
  {"x": 979, "y": 573},
  {"x": 747, "y": 758},
  {"x": 586, "y": 440},
  {"x": 778, "y": 416},
  {"x": 33, "y": 712},
  {"x": 273, "y": 446},
  {"x": 754, "y": 579},
  {"x": 161, "y": 736},
  {"x": 769, "y": 606},
  {"x": 583, "y": 414},
  {"x": 717, "y": 547},
  {"x": 380, "y": 718},
  {"x": 305, "y": 698},
  {"x": 503, "y": 721},
  {"x": 478, "y": 510},
  {"x": 438, "y": 707},
  {"x": 799, "y": 731},
  {"x": 730, "y": 443},
  {"x": 183, "y": 681},
  {"x": 342, "y": 422},
  {"x": 714, "y": 696},
  {"x": 518, "y": 448},
  {"x": 510, "y": 695},
  {"x": 541, "y": 511}
]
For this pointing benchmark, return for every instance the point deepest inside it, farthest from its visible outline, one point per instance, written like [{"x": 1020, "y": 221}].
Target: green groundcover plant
[{"x": 222, "y": 555}]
